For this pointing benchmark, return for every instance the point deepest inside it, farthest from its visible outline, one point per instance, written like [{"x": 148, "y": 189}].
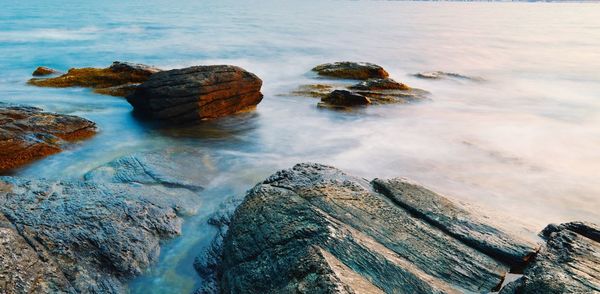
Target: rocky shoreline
[
  {"x": 315, "y": 229},
  {"x": 308, "y": 229}
]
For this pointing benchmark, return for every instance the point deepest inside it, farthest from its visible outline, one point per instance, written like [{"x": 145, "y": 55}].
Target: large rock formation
[
  {"x": 119, "y": 79},
  {"x": 351, "y": 70},
  {"x": 198, "y": 92},
  {"x": 92, "y": 236},
  {"x": 28, "y": 133},
  {"x": 569, "y": 262},
  {"x": 315, "y": 229}
]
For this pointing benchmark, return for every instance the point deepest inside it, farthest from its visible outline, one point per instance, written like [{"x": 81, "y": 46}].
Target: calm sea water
[{"x": 523, "y": 144}]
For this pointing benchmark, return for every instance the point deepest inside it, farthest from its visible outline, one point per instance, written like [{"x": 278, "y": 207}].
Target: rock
[
  {"x": 116, "y": 80},
  {"x": 28, "y": 133},
  {"x": 380, "y": 84},
  {"x": 44, "y": 71},
  {"x": 314, "y": 90},
  {"x": 173, "y": 167},
  {"x": 196, "y": 93},
  {"x": 568, "y": 263},
  {"x": 315, "y": 229},
  {"x": 91, "y": 236},
  {"x": 351, "y": 70},
  {"x": 438, "y": 75},
  {"x": 456, "y": 221},
  {"x": 343, "y": 98}
]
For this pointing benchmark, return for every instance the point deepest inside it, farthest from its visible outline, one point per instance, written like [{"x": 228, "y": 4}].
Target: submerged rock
[
  {"x": 91, "y": 236},
  {"x": 380, "y": 84},
  {"x": 438, "y": 75},
  {"x": 351, "y": 70},
  {"x": 117, "y": 80},
  {"x": 28, "y": 133},
  {"x": 315, "y": 229},
  {"x": 343, "y": 98},
  {"x": 569, "y": 262},
  {"x": 44, "y": 71},
  {"x": 196, "y": 93}
]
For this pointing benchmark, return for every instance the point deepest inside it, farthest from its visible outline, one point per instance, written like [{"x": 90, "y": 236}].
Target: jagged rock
[
  {"x": 92, "y": 235},
  {"x": 195, "y": 93},
  {"x": 44, "y": 71},
  {"x": 117, "y": 80},
  {"x": 344, "y": 98},
  {"x": 568, "y": 263},
  {"x": 315, "y": 229},
  {"x": 351, "y": 70},
  {"x": 438, "y": 75},
  {"x": 28, "y": 133},
  {"x": 380, "y": 84}
]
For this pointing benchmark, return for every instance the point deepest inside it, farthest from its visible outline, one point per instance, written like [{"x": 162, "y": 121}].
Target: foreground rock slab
[
  {"x": 28, "y": 133},
  {"x": 569, "y": 262},
  {"x": 119, "y": 79},
  {"x": 196, "y": 93},
  {"x": 351, "y": 70},
  {"x": 91, "y": 236},
  {"x": 315, "y": 229}
]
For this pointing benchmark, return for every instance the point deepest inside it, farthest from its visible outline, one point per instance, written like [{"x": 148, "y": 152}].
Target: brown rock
[
  {"x": 198, "y": 92},
  {"x": 351, "y": 70},
  {"x": 122, "y": 75},
  {"x": 344, "y": 98},
  {"x": 44, "y": 71},
  {"x": 27, "y": 133}
]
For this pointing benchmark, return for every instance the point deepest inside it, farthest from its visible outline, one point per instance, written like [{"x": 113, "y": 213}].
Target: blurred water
[{"x": 524, "y": 143}]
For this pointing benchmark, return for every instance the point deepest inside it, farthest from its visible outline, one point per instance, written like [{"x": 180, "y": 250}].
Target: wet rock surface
[
  {"x": 351, "y": 70},
  {"x": 28, "y": 133},
  {"x": 315, "y": 229},
  {"x": 569, "y": 262},
  {"x": 343, "y": 98},
  {"x": 92, "y": 235},
  {"x": 44, "y": 71},
  {"x": 440, "y": 75},
  {"x": 119, "y": 79},
  {"x": 196, "y": 93}
]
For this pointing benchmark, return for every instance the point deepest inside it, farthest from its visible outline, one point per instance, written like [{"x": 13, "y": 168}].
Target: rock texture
[
  {"x": 351, "y": 70},
  {"x": 44, "y": 71},
  {"x": 195, "y": 93},
  {"x": 119, "y": 79},
  {"x": 91, "y": 236},
  {"x": 315, "y": 229},
  {"x": 569, "y": 262},
  {"x": 344, "y": 98},
  {"x": 28, "y": 133}
]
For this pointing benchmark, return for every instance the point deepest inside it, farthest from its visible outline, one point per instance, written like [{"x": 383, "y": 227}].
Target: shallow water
[{"x": 522, "y": 144}]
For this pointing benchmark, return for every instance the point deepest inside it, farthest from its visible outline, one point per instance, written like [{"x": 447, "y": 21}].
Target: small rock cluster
[{"x": 375, "y": 87}]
